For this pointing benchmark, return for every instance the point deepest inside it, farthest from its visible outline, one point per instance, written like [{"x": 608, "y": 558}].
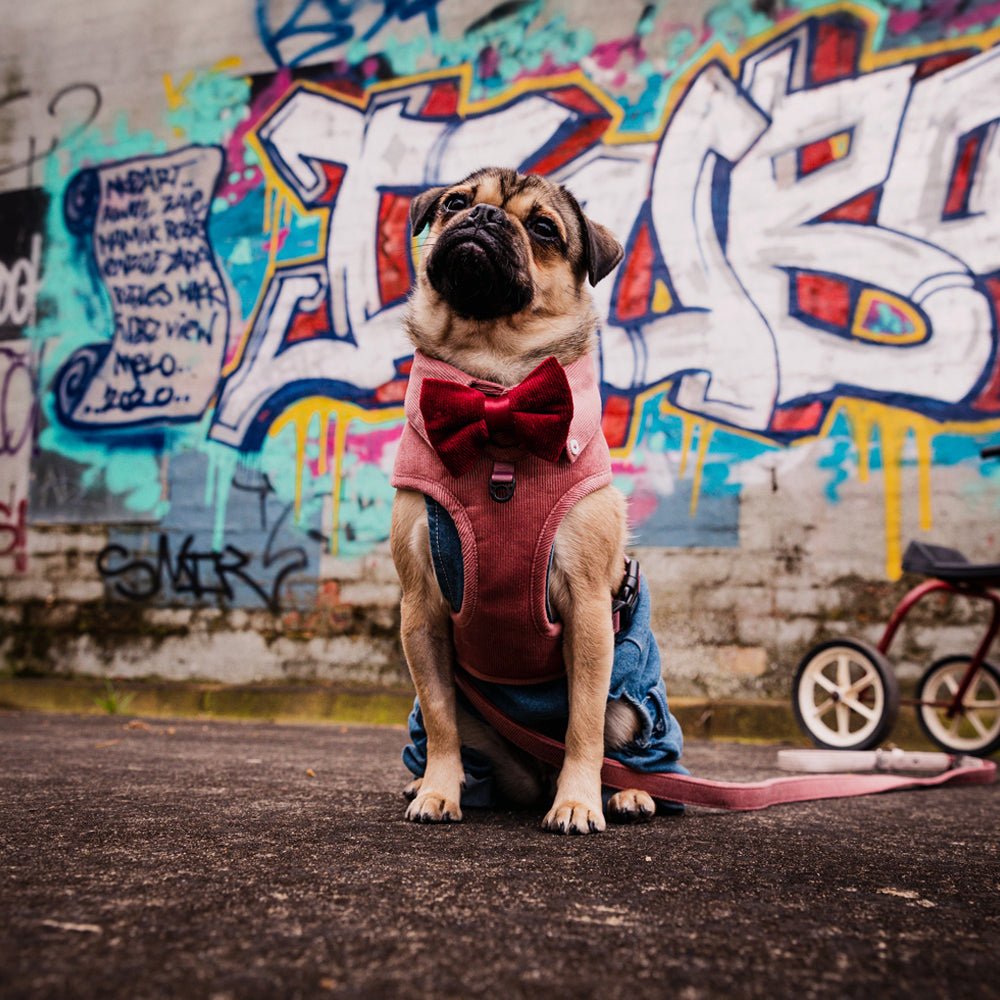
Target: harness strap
[{"x": 733, "y": 795}]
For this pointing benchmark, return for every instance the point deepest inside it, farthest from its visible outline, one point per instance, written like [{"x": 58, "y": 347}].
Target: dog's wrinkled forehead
[{"x": 521, "y": 195}]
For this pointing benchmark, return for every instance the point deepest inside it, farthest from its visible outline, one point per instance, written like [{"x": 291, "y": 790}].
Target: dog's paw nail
[
  {"x": 574, "y": 818},
  {"x": 432, "y": 807},
  {"x": 631, "y": 806}
]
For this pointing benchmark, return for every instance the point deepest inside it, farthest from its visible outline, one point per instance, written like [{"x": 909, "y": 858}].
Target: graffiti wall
[
  {"x": 201, "y": 315},
  {"x": 20, "y": 276}
]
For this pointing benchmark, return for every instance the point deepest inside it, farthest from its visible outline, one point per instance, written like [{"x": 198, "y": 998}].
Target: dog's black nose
[{"x": 484, "y": 214}]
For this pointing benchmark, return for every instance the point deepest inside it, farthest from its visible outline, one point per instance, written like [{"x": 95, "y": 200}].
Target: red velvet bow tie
[{"x": 534, "y": 415}]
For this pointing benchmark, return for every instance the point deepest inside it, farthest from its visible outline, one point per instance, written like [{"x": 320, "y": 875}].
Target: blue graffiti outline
[{"x": 338, "y": 26}]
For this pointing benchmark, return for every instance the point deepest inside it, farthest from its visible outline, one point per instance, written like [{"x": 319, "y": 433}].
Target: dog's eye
[
  {"x": 456, "y": 202},
  {"x": 543, "y": 228}
]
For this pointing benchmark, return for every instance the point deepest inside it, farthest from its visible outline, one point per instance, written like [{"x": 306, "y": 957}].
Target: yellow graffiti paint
[
  {"x": 705, "y": 431},
  {"x": 324, "y": 412},
  {"x": 890, "y": 427},
  {"x": 278, "y": 206},
  {"x": 175, "y": 91},
  {"x": 692, "y": 428},
  {"x": 663, "y": 301},
  {"x": 887, "y": 427},
  {"x": 688, "y": 423},
  {"x": 840, "y": 145},
  {"x": 269, "y": 194},
  {"x": 871, "y": 296},
  {"x": 924, "y": 436}
]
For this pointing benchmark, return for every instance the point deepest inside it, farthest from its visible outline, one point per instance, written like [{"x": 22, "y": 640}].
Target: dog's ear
[
  {"x": 601, "y": 251},
  {"x": 604, "y": 252},
  {"x": 422, "y": 208}
]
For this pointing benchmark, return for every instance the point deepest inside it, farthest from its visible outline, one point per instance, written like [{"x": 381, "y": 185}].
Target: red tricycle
[{"x": 846, "y": 696}]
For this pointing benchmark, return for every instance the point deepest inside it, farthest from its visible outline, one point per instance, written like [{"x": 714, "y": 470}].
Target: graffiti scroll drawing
[{"x": 145, "y": 223}]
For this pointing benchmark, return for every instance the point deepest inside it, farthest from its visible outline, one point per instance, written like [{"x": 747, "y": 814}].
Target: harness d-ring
[{"x": 502, "y": 481}]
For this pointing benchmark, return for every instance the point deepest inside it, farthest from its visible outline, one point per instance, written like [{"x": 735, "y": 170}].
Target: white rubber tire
[
  {"x": 974, "y": 730},
  {"x": 845, "y": 695}
]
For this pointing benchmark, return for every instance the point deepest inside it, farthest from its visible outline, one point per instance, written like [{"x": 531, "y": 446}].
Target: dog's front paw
[
  {"x": 410, "y": 791},
  {"x": 568, "y": 816},
  {"x": 432, "y": 807},
  {"x": 631, "y": 806}
]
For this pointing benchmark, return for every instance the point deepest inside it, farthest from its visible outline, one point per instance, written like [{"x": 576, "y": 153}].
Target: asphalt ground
[{"x": 237, "y": 860}]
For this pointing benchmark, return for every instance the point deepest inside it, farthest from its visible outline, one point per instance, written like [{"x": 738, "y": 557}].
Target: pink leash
[{"x": 733, "y": 795}]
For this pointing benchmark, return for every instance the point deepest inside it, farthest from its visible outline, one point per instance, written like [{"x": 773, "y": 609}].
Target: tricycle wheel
[
  {"x": 845, "y": 695},
  {"x": 975, "y": 728}
]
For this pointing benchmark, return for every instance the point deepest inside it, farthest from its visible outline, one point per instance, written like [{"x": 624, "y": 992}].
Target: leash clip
[
  {"x": 502, "y": 482},
  {"x": 623, "y": 605}
]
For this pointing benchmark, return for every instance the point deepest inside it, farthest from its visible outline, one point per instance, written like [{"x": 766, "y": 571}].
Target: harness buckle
[
  {"x": 502, "y": 481},
  {"x": 624, "y": 602}
]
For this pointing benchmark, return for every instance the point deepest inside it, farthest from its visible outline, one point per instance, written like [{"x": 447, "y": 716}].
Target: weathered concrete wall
[{"x": 204, "y": 254}]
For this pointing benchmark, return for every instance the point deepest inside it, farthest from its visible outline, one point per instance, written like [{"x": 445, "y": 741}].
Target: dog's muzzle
[{"x": 475, "y": 265}]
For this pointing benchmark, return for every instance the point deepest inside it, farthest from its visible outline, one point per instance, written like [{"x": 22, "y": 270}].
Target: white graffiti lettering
[
  {"x": 17, "y": 415},
  {"x": 19, "y": 283},
  {"x": 387, "y": 147},
  {"x": 739, "y": 215}
]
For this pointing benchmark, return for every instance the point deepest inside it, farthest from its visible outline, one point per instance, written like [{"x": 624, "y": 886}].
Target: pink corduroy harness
[{"x": 502, "y": 631}]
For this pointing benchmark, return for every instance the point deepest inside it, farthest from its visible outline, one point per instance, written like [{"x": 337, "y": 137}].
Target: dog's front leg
[
  {"x": 586, "y": 568},
  {"x": 427, "y": 646},
  {"x": 588, "y": 648}
]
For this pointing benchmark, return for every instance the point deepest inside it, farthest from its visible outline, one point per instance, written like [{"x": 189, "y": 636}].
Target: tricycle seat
[{"x": 950, "y": 565}]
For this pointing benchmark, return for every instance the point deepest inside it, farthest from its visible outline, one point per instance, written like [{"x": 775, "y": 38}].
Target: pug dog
[{"x": 501, "y": 289}]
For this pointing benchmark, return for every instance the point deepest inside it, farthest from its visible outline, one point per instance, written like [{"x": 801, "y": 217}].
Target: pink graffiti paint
[
  {"x": 489, "y": 62},
  {"x": 642, "y": 506},
  {"x": 236, "y": 147},
  {"x": 973, "y": 18},
  {"x": 905, "y": 21},
  {"x": 948, "y": 13},
  {"x": 608, "y": 55},
  {"x": 276, "y": 241},
  {"x": 370, "y": 447}
]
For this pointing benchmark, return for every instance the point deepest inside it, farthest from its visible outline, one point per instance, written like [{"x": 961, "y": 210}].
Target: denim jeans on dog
[{"x": 635, "y": 678}]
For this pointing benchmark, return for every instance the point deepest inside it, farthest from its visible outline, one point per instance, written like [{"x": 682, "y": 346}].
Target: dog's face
[{"x": 501, "y": 284}]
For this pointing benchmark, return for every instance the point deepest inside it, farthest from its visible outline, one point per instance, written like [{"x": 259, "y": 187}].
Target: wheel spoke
[
  {"x": 843, "y": 719},
  {"x": 821, "y": 710},
  {"x": 860, "y": 684},
  {"x": 950, "y": 683},
  {"x": 977, "y": 724},
  {"x": 825, "y": 683},
  {"x": 864, "y": 710},
  {"x": 843, "y": 673},
  {"x": 956, "y": 721}
]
